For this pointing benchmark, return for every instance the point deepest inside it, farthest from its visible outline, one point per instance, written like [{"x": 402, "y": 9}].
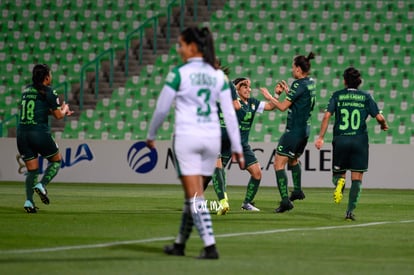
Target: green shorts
[
  {"x": 249, "y": 156},
  {"x": 291, "y": 145},
  {"x": 350, "y": 153},
  {"x": 31, "y": 144}
]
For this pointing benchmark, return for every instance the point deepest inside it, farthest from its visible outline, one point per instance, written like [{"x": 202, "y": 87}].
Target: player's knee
[
  {"x": 55, "y": 158},
  {"x": 256, "y": 171}
]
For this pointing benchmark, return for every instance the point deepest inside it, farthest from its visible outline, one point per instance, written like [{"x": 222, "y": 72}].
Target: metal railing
[
  {"x": 65, "y": 89},
  {"x": 155, "y": 21},
  {"x": 96, "y": 62},
  {"x": 169, "y": 11},
  {"x": 140, "y": 30}
]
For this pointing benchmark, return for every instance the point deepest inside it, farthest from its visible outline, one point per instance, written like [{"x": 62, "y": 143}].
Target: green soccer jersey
[
  {"x": 35, "y": 108},
  {"x": 351, "y": 108},
  {"x": 302, "y": 96},
  {"x": 245, "y": 116}
]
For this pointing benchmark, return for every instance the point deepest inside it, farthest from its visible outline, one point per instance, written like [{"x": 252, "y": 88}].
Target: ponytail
[
  {"x": 203, "y": 38},
  {"x": 311, "y": 55},
  {"x": 304, "y": 62}
]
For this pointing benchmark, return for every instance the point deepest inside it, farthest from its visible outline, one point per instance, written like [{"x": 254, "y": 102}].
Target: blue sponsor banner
[{"x": 142, "y": 159}]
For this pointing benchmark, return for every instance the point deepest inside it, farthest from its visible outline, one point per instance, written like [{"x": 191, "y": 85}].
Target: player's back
[
  {"x": 34, "y": 109},
  {"x": 197, "y": 94},
  {"x": 352, "y": 109}
]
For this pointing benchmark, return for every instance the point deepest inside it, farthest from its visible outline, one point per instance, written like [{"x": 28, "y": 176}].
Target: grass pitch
[{"x": 121, "y": 229}]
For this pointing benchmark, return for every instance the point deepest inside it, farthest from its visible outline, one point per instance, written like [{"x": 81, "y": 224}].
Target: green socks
[
  {"x": 219, "y": 183},
  {"x": 354, "y": 194},
  {"x": 297, "y": 177},
  {"x": 282, "y": 184},
  {"x": 335, "y": 179},
  {"x": 252, "y": 188},
  {"x": 51, "y": 171},
  {"x": 31, "y": 180}
]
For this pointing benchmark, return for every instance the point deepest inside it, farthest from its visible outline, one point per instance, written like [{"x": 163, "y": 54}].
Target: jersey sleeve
[
  {"x": 373, "y": 109},
  {"x": 162, "y": 109},
  {"x": 257, "y": 105},
  {"x": 173, "y": 79},
  {"x": 52, "y": 99},
  {"x": 295, "y": 91},
  {"x": 260, "y": 107},
  {"x": 331, "y": 104}
]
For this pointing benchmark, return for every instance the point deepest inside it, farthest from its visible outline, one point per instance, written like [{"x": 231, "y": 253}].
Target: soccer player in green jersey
[
  {"x": 351, "y": 108},
  {"x": 300, "y": 100},
  {"x": 33, "y": 133},
  {"x": 246, "y": 108}
]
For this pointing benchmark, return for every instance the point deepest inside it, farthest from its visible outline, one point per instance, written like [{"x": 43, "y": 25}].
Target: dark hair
[
  {"x": 304, "y": 62},
  {"x": 352, "y": 77},
  {"x": 39, "y": 74},
  {"x": 204, "y": 41},
  {"x": 238, "y": 80}
]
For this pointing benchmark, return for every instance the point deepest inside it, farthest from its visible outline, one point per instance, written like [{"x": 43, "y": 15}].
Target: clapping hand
[{"x": 281, "y": 86}]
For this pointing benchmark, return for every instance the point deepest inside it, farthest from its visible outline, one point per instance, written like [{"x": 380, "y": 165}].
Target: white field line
[{"x": 103, "y": 245}]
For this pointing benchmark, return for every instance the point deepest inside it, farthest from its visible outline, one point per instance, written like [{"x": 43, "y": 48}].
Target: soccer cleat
[
  {"x": 349, "y": 216},
  {"x": 285, "y": 205},
  {"x": 297, "y": 195},
  {"x": 339, "y": 190},
  {"x": 30, "y": 207},
  {"x": 224, "y": 207},
  {"x": 209, "y": 253},
  {"x": 249, "y": 206},
  {"x": 174, "y": 249},
  {"x": 42, "y": 192}
]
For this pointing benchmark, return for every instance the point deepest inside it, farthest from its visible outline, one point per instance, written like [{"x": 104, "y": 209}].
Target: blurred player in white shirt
[{"x": 196, "y": 86}]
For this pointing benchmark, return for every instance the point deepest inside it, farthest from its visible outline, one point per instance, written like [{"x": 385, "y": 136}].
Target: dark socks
[
  {"x": 31, "y": 180},
  {"x": 354, "y": 194},
  {"x": 252, "y": 188},
  {"x": 219, "y": 183},
  {"x": 186, "y": 225},
  {"x": 282, "y": 184},
  {"x": 297, "y": 177},
  {"x": 50, "y": 172}
]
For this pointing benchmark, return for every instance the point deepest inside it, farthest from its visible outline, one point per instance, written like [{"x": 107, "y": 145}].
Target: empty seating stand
[{"x": 257, "y": 38}]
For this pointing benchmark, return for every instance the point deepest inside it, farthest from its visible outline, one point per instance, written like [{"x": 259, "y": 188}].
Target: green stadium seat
[
  {"x": 272, "y": 32},
  {"x": 68, "y": 134}
]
